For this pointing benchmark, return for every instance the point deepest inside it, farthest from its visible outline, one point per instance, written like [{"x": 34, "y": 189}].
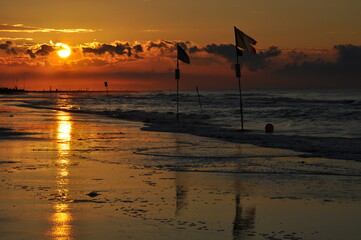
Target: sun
[{"x": 64, "y": 50}]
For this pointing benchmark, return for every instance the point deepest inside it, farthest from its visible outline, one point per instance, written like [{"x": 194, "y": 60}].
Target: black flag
[
  {"x": 244, "y": 41},
  {"x": 182, "y": 55}
]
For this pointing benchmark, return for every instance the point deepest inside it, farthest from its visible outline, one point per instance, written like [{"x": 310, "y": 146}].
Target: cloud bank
[{"x": 150, "y": 65}]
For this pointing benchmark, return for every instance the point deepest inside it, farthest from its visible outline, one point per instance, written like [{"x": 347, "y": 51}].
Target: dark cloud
[
  {"x": 44, "y": 50},
  {"x": 349, "y": 57},
  {"x": 118, "y": 48},
  {"x": 297, "y": 55},
  {"x": 261, "y": 60},
  {"x": 253, "y": 62},
  {"x": 31, "y": 54},
  {"x": 182, "y": 45},
  {"x": 6, "y": 47},
  {"x": 166, "y": 45},
  {"x": 130, "y": 50},
  {"x": 138, "y": 48},
  {"x": 227, "y": 51},
  {"x": 348, "y": 63}
]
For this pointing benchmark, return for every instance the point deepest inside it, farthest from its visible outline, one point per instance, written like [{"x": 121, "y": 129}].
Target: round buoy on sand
[{"x": 268, "y": 128}]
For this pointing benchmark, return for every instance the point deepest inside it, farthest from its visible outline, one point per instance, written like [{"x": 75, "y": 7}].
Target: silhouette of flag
[
  {"x": 182, "y": 55},
  {"x": 244, "y": 41}
]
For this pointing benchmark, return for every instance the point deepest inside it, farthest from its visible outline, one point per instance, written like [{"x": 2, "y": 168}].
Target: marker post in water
[
  {"x": 106, "y": 87},
  {"x": 199, "y": 100}
]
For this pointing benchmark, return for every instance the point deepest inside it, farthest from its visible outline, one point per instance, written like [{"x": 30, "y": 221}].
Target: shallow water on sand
[{"x": 163, "y": 185}]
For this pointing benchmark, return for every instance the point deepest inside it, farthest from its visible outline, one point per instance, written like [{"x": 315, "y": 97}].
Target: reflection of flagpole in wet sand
[
  {"x": 244, "y": 219},
  {"x": 181, "y": 191}
]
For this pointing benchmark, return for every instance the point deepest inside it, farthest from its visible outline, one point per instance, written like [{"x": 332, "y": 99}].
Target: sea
[
  {"x": 312, "y": 123},
  {"x": 301, "y": 112}
]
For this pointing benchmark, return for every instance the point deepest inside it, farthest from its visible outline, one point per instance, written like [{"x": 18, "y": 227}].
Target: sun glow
[{"x": 64, "y": 51}]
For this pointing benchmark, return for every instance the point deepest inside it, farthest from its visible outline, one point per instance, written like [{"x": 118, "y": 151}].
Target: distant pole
[
  {"x": 177, "y": 77},
  {"x": 199, "y": 99},
  {"x": 238, "y": 74},
  {"x": 106, "y": 87}
]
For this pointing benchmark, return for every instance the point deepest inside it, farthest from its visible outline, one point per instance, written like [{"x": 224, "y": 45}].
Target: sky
[{"x": 131, "y": 44}]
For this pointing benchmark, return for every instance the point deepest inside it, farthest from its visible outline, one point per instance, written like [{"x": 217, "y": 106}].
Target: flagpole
[
  {"x": 240, "y": 91},
  {"x": 177, "y": 76},
  {"x": 238, "y": 74},
  {"x": 181, "y": 55}
]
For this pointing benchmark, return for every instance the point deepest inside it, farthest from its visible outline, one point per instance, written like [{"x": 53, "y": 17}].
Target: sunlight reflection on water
[{"x": 61, "y": 219}]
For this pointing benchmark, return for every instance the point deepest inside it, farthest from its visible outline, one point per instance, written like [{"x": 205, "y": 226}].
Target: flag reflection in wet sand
[{"x": 61, "y": 219}]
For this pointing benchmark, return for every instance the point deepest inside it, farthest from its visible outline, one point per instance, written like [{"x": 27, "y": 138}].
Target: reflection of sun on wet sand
[{"x": 61, "y": 220}]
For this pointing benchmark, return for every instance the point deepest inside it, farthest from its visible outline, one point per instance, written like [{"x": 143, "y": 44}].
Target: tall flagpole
[
  {"x": 238, "y": 74},
  {"x": 177, "y": 76}
]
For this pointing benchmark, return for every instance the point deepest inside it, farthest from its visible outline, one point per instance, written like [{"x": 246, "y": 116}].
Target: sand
[{"x": 81, "y": 176}]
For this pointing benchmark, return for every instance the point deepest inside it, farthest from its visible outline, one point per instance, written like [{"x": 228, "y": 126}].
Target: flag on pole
[
  {"x": 244, "y": 41},
  {"x": 182, "y": 55}
]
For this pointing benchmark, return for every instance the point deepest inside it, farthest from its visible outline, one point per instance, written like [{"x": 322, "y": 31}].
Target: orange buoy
[{"x": 268, "y": 128}]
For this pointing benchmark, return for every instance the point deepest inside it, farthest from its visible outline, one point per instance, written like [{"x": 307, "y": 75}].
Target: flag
[
  {"x": 182, "y": 55},
  {"x": 106, "y": 84},
  {"x": 244, "y": 41}
]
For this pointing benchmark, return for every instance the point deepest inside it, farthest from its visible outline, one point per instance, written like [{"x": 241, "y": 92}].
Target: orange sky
[{"x": 122, "y": 42}]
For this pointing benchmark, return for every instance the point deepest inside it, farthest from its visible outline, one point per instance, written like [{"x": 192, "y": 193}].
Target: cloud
[
  {"x": 15, "y": 39},
  {"x": 211, "y": 64},
  {"x": 6, "y": 47},
  {"x": 31, "y": 54},
  {"x": 138, "y": 48},
  {"x": 114, "y": 49},
  {"x": 347, "y": 63},
  {"x": 163, "y": 45},
  {"x": 252, "y": 62},
  {"x": 18, "y": 28},
  {"x": 151, "y": 30},
  {"x": 44, "y": 50}
]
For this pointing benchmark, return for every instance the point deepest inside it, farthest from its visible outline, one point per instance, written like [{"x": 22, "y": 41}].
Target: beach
[{"x": 71, "y": 175}]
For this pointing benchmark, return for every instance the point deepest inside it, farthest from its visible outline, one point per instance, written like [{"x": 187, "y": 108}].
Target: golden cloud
[
  {"x": 15, "y": 39},
  {"x": 20, "y": 28}
]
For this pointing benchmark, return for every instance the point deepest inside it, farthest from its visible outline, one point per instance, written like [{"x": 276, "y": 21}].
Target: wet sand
[{"x": 80, "y": 176}]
